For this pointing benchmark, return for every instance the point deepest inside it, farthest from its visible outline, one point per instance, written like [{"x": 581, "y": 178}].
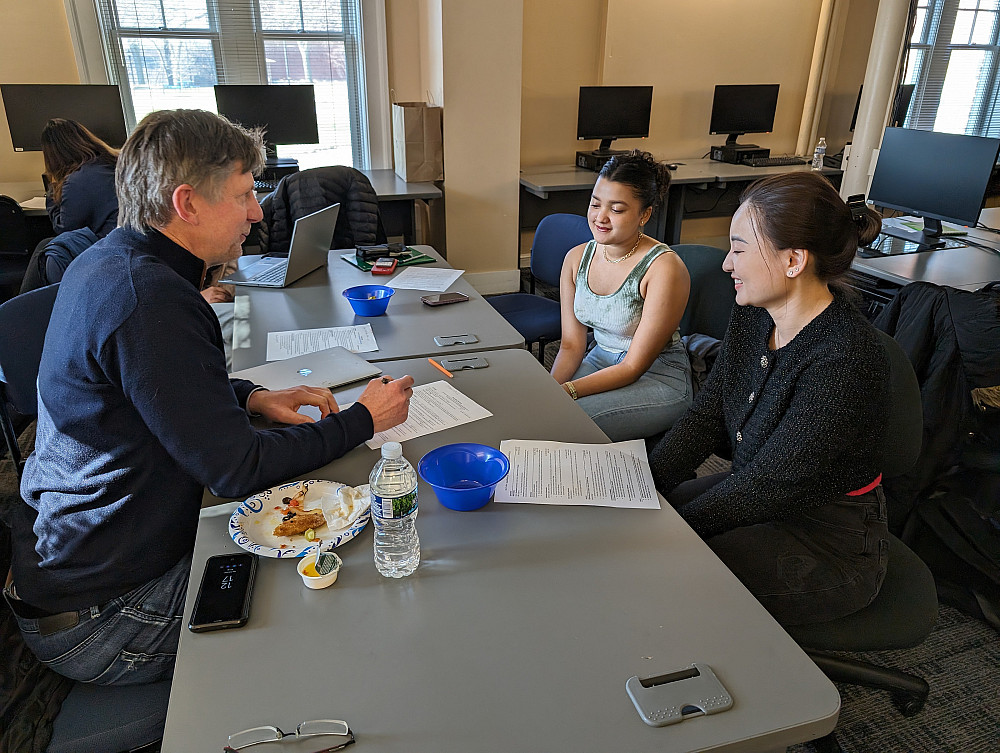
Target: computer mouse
[{"x": 672, "y": 165}]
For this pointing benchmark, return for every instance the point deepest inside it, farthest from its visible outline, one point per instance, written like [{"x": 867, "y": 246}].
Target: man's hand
[
  {"x": 216, "y": 294},
  {"x": 388, "y": 400},
  {"x": 282, "y": 406}
]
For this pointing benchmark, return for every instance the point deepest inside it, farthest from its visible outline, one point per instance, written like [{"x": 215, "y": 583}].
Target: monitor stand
[{"x": 915, "y": 241}]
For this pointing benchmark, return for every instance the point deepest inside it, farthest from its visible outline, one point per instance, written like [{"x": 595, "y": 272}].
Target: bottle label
[{"x": 394, "y": 507}]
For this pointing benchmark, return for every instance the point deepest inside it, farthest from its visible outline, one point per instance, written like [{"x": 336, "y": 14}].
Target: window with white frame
[
  {"x": 171, "y": 53},
  {"x": 953, "y": 63}
]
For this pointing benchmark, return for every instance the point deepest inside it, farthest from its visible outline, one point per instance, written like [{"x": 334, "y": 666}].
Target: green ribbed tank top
[{"x": 614, "y": 317}]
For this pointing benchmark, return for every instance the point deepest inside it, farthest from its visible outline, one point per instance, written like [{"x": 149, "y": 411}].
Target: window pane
[
  {"x": 988, "y": 4},
  {"x": 322, "y": 15},
  {"x": 324, "y": 65},
  {"x": 963, "y": 27},
  {"x": 959, "y": 93},
  {"x": 140, "y": 14},
  {"x": 918, "y": 26},
  {"x": 983, "y": 32},
  {"x": 186, "y": 14},
  {"x": 280, "y": 15},
  {"x": 165, "y": 74},
  {"x": 968, "y": 3}
]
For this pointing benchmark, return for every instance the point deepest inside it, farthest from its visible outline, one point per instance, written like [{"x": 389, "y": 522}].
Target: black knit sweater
[{"x": 803, "y": 421}]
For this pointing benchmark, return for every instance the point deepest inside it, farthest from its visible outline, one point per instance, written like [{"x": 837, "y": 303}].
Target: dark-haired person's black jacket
[
  {"x": 88, "y": 200},
  {"x": 802, "y": 421}
]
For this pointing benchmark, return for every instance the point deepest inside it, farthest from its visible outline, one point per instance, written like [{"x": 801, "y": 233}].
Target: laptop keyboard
[{"x": 274, "y": 273}]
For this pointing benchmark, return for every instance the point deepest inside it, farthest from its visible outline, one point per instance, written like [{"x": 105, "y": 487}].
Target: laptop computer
[
  {"x": 311, "y": 239},
  {"x": 331, "y": 368}
]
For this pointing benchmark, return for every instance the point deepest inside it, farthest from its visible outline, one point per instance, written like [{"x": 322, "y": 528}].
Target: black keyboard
[
  {"x": 774, "y": 161},
  {"x": 264, "y": 185}
]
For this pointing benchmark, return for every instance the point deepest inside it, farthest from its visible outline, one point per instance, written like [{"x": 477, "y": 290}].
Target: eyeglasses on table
[{"x": 270, "y": 734}]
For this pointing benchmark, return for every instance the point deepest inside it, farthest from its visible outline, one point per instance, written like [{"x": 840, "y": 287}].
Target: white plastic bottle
[
  {"x": 818, "y": 154},
  {"x": 394, "y": 513}
]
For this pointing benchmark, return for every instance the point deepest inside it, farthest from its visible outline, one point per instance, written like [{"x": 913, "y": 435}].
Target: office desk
[
  {"x": 397, "y": 202},
  {"x": 966, "y": 268},
  {"x": 517, "y": 632},
  {"x": 558, "y": 188},
  {"x": 406, "y": 331}
]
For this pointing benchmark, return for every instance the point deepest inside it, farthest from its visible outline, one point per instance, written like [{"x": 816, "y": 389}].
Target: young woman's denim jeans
[
  {"x": 646, "y": 407},
  {"x": 131, "y": 639}
]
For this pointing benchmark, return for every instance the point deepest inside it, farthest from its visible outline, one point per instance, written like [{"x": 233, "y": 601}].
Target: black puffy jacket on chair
[
  {"x": 309, "y": 191},
  {"x": 952, "y": 338}
]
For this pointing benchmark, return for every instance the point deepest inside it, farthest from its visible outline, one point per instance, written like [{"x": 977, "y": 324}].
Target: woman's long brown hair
[{"x": 66, "y": 145}]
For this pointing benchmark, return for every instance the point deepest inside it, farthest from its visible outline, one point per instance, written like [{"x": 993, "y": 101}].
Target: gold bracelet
[{"x": 572, "y": 390}]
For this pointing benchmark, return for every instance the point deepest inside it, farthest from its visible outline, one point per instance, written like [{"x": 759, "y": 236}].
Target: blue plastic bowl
[
  {"x": 369, "y": 300},
  {"x": 464, "y": 475}
]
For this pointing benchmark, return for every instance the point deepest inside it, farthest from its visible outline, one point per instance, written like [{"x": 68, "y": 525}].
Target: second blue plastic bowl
[
  {"x": 464, "y": 475},
  {"x": 369, "y": 300}
]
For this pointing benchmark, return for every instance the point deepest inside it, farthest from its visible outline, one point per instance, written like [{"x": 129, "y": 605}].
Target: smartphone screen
[
  {"x": 440, "y": 299},
  {"x": 224, "y": 596}
]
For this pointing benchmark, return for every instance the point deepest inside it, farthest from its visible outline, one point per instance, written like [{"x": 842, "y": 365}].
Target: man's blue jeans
[{"x": 130, "y": 639}]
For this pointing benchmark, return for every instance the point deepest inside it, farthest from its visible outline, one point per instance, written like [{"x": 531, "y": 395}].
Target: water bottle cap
[{"x": 392, "y": 450}]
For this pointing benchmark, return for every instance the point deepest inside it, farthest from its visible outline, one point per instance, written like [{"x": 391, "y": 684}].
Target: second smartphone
[{"x": 440, "y": 299}]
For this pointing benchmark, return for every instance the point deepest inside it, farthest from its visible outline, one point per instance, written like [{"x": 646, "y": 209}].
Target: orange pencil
[{"x": 441, "y": 368}]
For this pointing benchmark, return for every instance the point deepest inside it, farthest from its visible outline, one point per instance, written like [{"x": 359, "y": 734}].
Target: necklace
[{"x": 620, "y": 259}]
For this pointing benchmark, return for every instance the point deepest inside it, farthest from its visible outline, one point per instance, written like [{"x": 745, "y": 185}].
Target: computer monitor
[
  {"x": 286, "y": 112},
  {"x": 937, "y": 176},
  {"x": 900, "y": 106},
  {"x": 29, "y": 107},
  {"x": 613, "y": 112},
  {"x": 743, "y": 108}
]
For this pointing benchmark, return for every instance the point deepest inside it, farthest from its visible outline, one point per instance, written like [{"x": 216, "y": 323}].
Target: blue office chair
[
  {"x": 905, "y": 610},
  {"x": 712, "y": 293},
  {"x": 538, "y": 318},
  {"x": 93, "y": 718}
]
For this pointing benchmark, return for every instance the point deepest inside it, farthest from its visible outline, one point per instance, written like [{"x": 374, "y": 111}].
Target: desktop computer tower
[{"x": 738, "y": 153}]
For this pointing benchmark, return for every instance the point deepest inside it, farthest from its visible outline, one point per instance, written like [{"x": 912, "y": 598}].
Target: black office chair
[
  {"x": 23, "y": 321},
  {"x": 905, "y": 610},
  {"x": 535, "y": 317},
  {"x": 93, "y": 718},
  {"x": 710, "y": 303},
  {"x": 14, "y": 246}
]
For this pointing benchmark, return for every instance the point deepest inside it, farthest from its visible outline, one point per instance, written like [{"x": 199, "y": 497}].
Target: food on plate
[{"x": 299, "y": 522}]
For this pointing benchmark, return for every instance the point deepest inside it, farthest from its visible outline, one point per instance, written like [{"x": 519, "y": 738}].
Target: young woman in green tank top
[{"x": 632, "y": 291}]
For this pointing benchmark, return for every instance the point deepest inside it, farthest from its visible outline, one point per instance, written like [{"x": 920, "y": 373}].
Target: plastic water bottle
[
  {"x": 818, "y": 154},
  {"x": 394, "y": 513}
]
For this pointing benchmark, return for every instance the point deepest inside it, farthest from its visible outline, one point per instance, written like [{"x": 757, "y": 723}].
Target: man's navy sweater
[{"x": 136, "y": 414}]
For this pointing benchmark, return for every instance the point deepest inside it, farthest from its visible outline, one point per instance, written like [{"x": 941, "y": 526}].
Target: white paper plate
[{"x": 252, "y": 525}]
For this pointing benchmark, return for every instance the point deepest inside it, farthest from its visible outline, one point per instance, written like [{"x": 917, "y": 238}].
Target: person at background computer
[
  {"x": 798, "y": 394},
  {"x": 79, "y": 178},
  {"x": 137, "y": 415},
  {"x": 632, "y": 290}
]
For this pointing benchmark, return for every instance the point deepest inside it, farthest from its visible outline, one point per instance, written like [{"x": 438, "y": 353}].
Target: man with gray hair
[{"x": 136, "y": 413}]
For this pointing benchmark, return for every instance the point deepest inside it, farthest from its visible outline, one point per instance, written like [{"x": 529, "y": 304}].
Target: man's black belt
[{"x": 48, "y": 622}]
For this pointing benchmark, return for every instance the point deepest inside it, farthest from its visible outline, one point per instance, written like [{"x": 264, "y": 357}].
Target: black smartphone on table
[
  {"x": 440, "y": 299},
  {"x": 224, "y": 595}
]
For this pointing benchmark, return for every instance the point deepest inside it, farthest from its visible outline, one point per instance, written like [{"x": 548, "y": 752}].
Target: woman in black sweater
[{"x": 798, "y": 395}]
